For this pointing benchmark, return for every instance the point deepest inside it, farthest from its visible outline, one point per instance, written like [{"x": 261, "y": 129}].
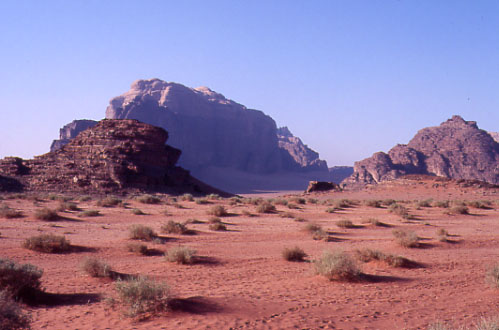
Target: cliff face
[
  {"x": 212, "y": 131},
  {"x": 113, "y": 155},
  {"x": 456, "y": 149},
  {"x": 70, "y": 131},
  {"x": 495, "y": 136}
]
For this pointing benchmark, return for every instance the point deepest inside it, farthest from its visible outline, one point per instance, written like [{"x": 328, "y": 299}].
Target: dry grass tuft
[
  {"x": 48, "y": 243},
  {"x": 181, "y": 255},
  {"x": 367, "y": 255},
  {"x": 142, "y": 232},
  {"x": 46, "y": 214},
  {"x": 218, "y": 211},
  {"x": 19, "y": 280},
  {"x": 9, "y": 213},
  {"x": 142, "y": 295},
  {"x": 294, "y": 254},
  {"x": 172, "y": 227},
  {"x": 95, "y": 267},
  {"x": 148, "y": 199},
  {"x": 89, "y": 213},
  {"x": 137, "y": 248},
  {"x": 345, "y": 224},
  {"x": 406, "y": 238},
  {"x": 11, "y": 315},
  {"x": 337, "y": 265},
  {"x": 266, "y": 208},
  {"x": 109, "y": 201},
  {"x": 217, "y": 226},
  {"x": 492, "y": 276}
]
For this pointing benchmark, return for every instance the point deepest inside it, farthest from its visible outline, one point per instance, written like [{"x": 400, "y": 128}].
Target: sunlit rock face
[{"x": 456, "y": 149}]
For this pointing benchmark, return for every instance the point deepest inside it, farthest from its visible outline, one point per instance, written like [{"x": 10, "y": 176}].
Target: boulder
[{"x": 315, "y": 186}]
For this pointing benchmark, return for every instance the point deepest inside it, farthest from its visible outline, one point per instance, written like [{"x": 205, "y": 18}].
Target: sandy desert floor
[{"x": 241, "y": 280}]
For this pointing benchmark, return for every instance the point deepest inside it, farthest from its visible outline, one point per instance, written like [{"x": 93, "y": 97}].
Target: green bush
[
  {"x": 142, "y": 295},
  {"x": 46, "y": 214},
  {"x": 48, "y": 243},
  {"x": 95, "y": 267},
  {"x": 180, "y": 255},
  {"x": 337, "y": 265},
  {"x": 294, "y": 254},
  {"x": 142, "y": 232},
  {"x": 19, "y": 280}
]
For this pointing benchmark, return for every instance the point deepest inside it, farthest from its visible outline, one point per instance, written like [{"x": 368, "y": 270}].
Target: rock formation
[
  {"x": 315, "y": 186},
  {"x": 112, "y": 156},
  {"x": 456, "y": 149},
  {"x": 296, "y": 155},
  {"x": 213, "y": 131},
  {"x": 70, "y": 131},
  {"x": 495, "y": 136}
]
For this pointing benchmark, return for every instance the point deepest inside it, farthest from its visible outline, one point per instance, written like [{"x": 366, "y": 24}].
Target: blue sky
[{"x": 348, "y": 77}]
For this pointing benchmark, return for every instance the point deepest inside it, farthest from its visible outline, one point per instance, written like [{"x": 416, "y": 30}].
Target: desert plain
[{"x": 239, "y": 278}]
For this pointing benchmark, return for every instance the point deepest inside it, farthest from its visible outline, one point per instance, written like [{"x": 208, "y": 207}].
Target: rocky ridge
[
  {"x": 456, "y": 149},
  {"x": 495, "y": 136},
  {"x": 112, "y": 156}
]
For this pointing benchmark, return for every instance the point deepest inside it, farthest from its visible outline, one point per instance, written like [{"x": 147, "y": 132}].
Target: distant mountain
[
  {"x": 495, "y": 136},
  {"x": 340, "y": 173},
  {"x": 70, "y": 131},
  {"x": 456, "y": 149}
]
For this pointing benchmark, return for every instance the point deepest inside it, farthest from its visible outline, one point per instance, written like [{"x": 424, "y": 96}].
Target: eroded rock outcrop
[
  {"x": 495, "y": 136},
  {"x": 112, "y": 156},
  {"x": 211, "y": 130},
  {"x": 316, "y": 186},
  {"x": 456, "y": 149}
]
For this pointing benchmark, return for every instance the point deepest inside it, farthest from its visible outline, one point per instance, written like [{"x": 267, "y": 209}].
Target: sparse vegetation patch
[
  {"x": 95, "y": 267},
  {"x": 406, "y": 238},
  {"x": 142, "y": 232},
  {"x": 46, "y": 214},
  {"x": 180, "y": 255},
  {"x": 294, "y": 254},
  {"x": 337, "y": 265},
  {"x": 48, "y": 243}
]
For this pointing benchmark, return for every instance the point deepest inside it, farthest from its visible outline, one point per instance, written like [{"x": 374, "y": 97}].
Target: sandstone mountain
[
  {"x": 70, "y": 131},
  {"x": 456, "y": 149},
  {"x": 112, "y": 156},
  {"x": 213, "y": 131}
]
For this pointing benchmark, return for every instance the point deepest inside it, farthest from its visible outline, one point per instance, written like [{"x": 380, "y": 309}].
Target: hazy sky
[{"x": 348, "y": 77}]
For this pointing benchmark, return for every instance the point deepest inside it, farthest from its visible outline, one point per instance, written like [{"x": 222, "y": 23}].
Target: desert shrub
[
  {"x": 192, "y": 221},
  {"x": 266, "y": 208},
  {"x": 142, "y": 232},
  {"x": 213, "y": 197},
  {"x": 218, "y": 211},
  {"x": 300, "y": 219},
  {"x": 48, "y": 243},
  {"x": 294, "y": 254},
  {"x": 89, "y": 213},
  {"x": 293, "y": 206},
  {"x": 19, "y": 280},
  {"x": 137, "y": 212},
  {"x": 254, "y": 201},
  {"x": 388, "y": 202},
  {"x": 482, "y": 324},
  {"x": 64, "y": 206},
  {"x": 287, "y": 215},
  {"x": 299, "y": 200},
  {"x": 187, "y": 198},
  {"x": 85, "y": 198},
  {"x": 214, "y": 220},
  {"x": 109, "y": 201},
  {"x": 148, "y": 199},
  {"x": 425, "y": 203},
  {"x": 218, "y": 226},
  {"x": 330, "y": 210},
  {"x": 342, "y": 203},
  {"x": 372, "y": 203},
  {"x": 345, "y": 224},
  {"x": 142, "y": 295},
  {"x": 178, "y": 206},
  {"x": 312, "y": 227},
  {"x": 172, "y": 227},
  {"x": 95, "y": 267},
  {"x": 399, "y": 210},
  {"x": 479, "y": 204},
  {"x": 459, "y": 209},
  {"x": 375, "y": 222},
  {"x": 493, "y": 276},
  {"x": 312, "y": 200},
  {"x": 11, "y": 315},
  {"x": 337, "y": 265},
  {"x": 137, "y": 248},
  {"x": 247, "y": 213},
  {"x": 46, "y": 214},
  {"x": 367, "y": 255},
  {"x": 202, "y": 201},
  {"x": 180, "y": 255},
  {"x": 441, "y": 204},
  {"x": 317, "y": 232},
  {"x": 442, "y": 235},
  {"x": 406, "y": 238},
  {"x": 9, "y": 213},
  {"x": 281, "y": 201}
]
